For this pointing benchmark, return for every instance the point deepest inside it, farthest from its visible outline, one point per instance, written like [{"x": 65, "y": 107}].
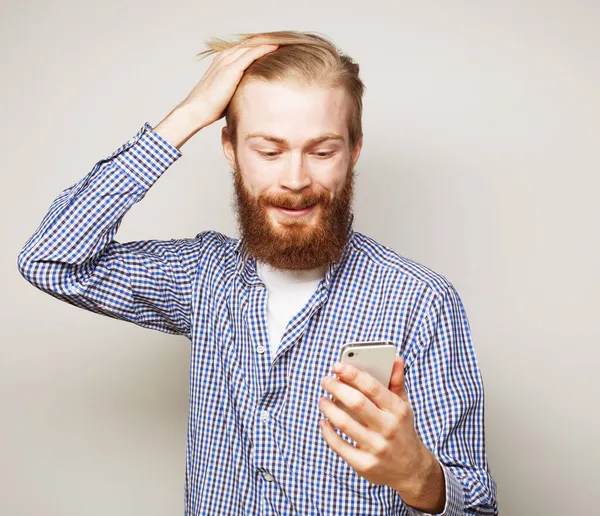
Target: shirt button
[
  {"x": 268, "y": 477},
  {"x": 131, "y": 141},
  {"x": 264, "y": 415},
  {"x": 260, "y": 350}
]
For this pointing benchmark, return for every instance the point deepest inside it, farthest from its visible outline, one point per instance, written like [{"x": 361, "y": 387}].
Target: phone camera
[{"x": 351, "y": 354}]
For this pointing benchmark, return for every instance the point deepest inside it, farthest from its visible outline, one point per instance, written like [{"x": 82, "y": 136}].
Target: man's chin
[{"x": 303, "y": 242}]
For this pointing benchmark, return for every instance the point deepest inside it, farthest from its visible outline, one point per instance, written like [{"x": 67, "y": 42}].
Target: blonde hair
[{"x": 302, "y": 56}]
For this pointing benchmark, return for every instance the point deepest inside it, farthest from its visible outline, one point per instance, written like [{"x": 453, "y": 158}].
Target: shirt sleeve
[
  {"x": 445, "y": 389},
  {"x": 74, "y": 257}
]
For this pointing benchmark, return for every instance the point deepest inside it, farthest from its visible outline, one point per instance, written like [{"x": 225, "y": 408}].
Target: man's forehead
[
  {"x": 289, "y": 110},
  {"x": 329, "y": 136}
]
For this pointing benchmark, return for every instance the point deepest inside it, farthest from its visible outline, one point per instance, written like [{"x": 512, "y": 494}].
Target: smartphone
[{"x": 375, "y": 357}]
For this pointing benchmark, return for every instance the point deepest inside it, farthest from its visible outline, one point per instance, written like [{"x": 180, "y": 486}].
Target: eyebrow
[{"x": 312, "y": 141}]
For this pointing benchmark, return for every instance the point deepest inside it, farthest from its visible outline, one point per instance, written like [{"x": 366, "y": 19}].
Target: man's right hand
[{"x": 208, "y": 100}]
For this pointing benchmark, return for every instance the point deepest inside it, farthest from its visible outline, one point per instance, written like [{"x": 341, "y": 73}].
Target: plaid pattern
[{"x": 254, "y": 445}]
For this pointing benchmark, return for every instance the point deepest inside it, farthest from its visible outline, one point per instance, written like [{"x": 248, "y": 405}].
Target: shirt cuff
[
  {"x": 455, "y": 497},
  {"x": 146, "y": 156}
]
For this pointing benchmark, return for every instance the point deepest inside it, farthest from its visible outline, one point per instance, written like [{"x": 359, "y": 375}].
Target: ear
[
  {"x": 227, "y": 147},
  {"x": 356, "y": 151}
]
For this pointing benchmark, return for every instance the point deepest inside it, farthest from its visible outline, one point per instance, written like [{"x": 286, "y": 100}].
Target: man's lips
[{"x": 295, "y": 212}]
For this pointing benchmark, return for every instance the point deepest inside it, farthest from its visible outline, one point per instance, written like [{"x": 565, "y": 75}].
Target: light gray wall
[{"x": 481, "y": 160}]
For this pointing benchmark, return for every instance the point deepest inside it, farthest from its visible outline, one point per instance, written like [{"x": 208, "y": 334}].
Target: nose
[{"x": 296, "y": 175}]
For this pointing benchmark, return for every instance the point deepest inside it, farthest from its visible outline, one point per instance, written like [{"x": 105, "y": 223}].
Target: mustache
[{"x": 292, "y": 201}]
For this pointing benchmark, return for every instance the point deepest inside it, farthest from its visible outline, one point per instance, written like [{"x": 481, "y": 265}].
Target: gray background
[{"x": 480, "y": 160}]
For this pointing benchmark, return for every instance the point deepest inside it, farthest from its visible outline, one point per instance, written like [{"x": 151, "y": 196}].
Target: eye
[
  {"x": 324, "y": 154},
  {"x": 268, "y": 154}
]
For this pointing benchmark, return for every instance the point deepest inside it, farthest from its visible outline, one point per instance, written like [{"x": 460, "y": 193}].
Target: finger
[
  {"x": 397, "y": 379},
  {"x": 356, "y": 402},
  {"x": 232, "y": 49},
  {"x": 345, "y": 422},
  {"x": 219, "y": 55},
  {"x": 234, "y": 54},
  {"x": 345, "y": 450},
  {"x": 253, "y": 54},
  {"x": 366, "y": 384}
]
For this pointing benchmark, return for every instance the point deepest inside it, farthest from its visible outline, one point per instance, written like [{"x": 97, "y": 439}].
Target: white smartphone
[{"x": 375, "y": 357}]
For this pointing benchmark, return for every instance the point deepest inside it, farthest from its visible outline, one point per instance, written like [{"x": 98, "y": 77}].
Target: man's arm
[
  {"x": 73, "y": 254},
  {"x": 423, "y": 436},
  {"x": 446, "y": 393},
  {"x": 74, "y": 257}
]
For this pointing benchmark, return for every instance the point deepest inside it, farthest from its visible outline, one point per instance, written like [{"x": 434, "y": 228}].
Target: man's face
[{"x": 293, "y": 172}]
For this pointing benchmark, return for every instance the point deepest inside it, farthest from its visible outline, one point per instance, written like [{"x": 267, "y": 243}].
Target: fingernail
[{"x": 338, "y": 368}]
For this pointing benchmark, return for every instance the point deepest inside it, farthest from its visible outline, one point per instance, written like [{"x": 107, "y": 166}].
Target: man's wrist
[
  {"x": 426, "y": 491},
  {"x": 180, "y": 125}
]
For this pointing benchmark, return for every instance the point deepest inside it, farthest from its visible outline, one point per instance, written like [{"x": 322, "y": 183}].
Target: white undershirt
[{"x": 288, "y": 292}]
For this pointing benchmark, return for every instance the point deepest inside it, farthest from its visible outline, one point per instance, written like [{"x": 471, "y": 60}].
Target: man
[{"x": 268, "y": 314}]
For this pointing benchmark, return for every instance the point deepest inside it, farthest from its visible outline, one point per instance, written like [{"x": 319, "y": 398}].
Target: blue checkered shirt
[{"x": 253, "y": 444}]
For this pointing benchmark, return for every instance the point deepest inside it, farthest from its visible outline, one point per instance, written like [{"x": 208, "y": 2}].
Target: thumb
[{"x": 397, "y": 379}]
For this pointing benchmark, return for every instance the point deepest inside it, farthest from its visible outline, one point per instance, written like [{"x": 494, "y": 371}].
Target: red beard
[{"x": 295, "y": 244}]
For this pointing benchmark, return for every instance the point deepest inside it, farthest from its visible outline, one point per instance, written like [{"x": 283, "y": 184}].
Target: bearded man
[{"x": 268, "y": 313}]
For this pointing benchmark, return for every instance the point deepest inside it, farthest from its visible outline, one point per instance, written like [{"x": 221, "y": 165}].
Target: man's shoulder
[
  {"x": 215, "y": 239},
  {"x": 388, "y": 260},
  {"x": 211, "y": 247},
  {"x": 213, "y": 244}
]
